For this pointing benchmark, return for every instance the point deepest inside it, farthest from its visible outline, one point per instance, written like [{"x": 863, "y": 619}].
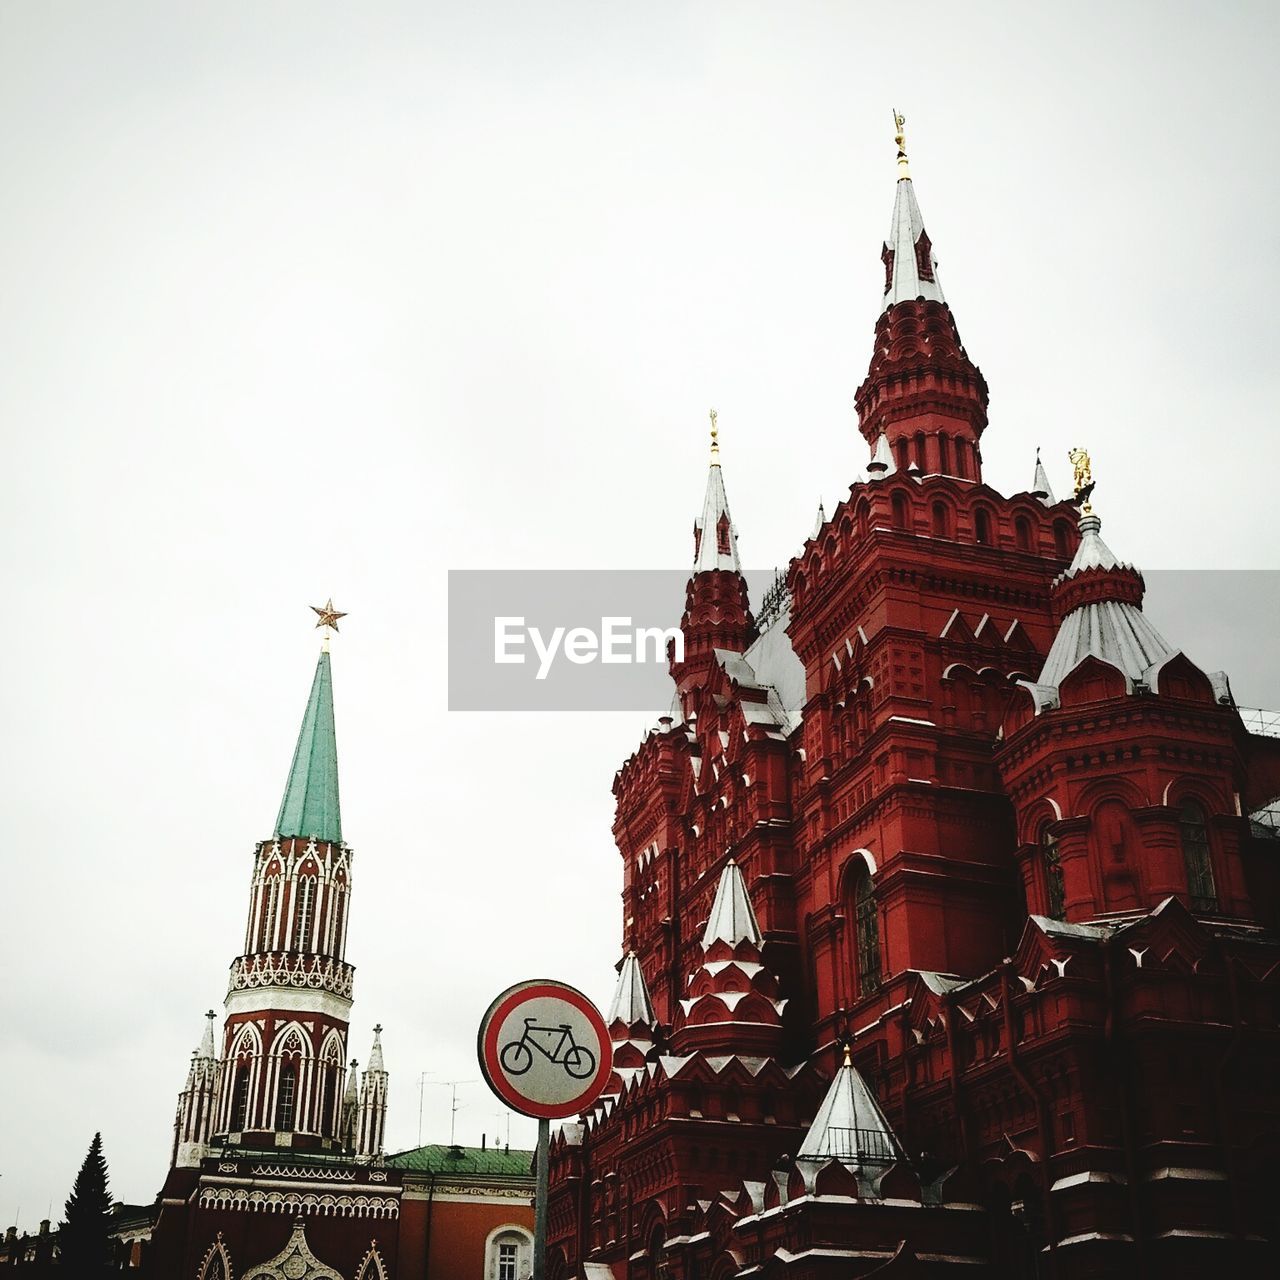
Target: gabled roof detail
[
  {"x": 631, "y": 1004},
  {"x": 310, "y": 806},
  {"x": 732, "y": 918},
  {"x": 849, "y": 1126}
]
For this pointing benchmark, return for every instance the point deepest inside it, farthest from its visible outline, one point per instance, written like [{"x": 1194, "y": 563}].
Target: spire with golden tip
[
  {"x": 715, "y": 439},
  {"x": 899, "y": 121},
  {"x": 715, "y": 538},
  {"x": 911, "y": 270}
]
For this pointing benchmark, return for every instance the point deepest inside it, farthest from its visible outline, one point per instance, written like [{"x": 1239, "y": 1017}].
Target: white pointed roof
[
  {"x": 1115, "y": 631},
  {"x": 715, "y": 505},
  {"x": 375, "y": 1054},
  {"x": 819, "y": 520},
  {"x": 850, "y": 1126},
  {"x": 1040, "y": 486},
  {"x": 882, "y": 463},
  {"x": 631, "y": 1003},
  {"x": 351, "y": 1095},
  {"x": 206, "y": 1050},
  {"x": 732, "y": 919},
  {"x": 905, "y": 281}
]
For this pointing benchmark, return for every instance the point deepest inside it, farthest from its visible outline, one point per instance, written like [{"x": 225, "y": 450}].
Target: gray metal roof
[
  {"x": 732, "y": 918},
  {"x": 714, "y": 505},
  {"x": 905, "y": 282},
  {"x": 849, "y": 1126},
  {"x": 631, "y": 1003}
]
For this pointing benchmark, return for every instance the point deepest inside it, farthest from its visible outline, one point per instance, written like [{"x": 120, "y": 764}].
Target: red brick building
[
  {"x": 278, "y": 1168},
  {"x": 950, "y": 944}
]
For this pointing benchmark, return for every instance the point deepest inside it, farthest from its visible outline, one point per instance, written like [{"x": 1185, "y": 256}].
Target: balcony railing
[
  {"x": 287, "y": 969},
  {"x": 870, "y": 1146}
]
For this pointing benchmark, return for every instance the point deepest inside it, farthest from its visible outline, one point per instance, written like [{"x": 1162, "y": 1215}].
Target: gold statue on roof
[
  {"x": 1084, "y": 482},
  {"x": 899, "y": 137}
]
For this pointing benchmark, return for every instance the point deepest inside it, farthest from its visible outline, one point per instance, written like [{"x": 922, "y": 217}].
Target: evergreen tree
[{"x": 85, "y": 1238}]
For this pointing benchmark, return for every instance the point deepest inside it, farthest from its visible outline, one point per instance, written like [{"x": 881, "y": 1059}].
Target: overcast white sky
[{"x": 312, "y": 299}]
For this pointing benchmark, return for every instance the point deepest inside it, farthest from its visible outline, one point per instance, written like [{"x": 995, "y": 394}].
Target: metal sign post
[
  {"x": 545, "y": 1051},
  {"x": 540, "y": 1203}
]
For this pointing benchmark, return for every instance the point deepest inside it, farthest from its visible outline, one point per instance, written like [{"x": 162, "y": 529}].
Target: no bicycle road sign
[{"x": 544, "y": 1049}]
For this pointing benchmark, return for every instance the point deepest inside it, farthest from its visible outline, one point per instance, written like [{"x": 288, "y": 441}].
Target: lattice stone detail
[
  {"x": 323, "y": 1204},
  {"x": 312, "y": 973}
]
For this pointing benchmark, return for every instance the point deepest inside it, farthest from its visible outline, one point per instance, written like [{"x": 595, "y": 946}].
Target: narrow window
[
  {"x": 330, "y": 1098},
  {"x": 962, "y": 458},
  {"x": 1022, "y": 533},
  {"x": 285, "y": 1098},
  {"x": 899, "y": 510},
  {"x": 941, "y": 524},
  {"x": 306, "y": 913},
  {"x": 1054, "y": 888},
  {"x": 904, "y": 460},
  {"x": 266, "y": 936},
  {"x": 240, "y": 1099},
  {"x": 1195, "y": 853},
  {"x": 866, "y": 923},
  {"x": 722, "y": 536},
  {"x": 944, "y": 455},
  {"x": 920, "y": 451},
  {"x": 982, "y": 526}
]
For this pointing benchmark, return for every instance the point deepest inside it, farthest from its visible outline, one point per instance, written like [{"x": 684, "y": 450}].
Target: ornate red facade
[{"x": 1007, "y": 1001}]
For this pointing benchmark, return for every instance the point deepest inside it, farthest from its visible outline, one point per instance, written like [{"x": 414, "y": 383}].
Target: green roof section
[
  {"x": 438, "y": 1158},
  {"x": 310, "y": 806}
]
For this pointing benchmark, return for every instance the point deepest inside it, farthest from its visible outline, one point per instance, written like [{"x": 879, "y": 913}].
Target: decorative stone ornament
[{"x": 294, "y": 1262}]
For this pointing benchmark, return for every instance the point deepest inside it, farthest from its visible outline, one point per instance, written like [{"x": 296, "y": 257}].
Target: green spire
[{"x": 310, "y": 804}]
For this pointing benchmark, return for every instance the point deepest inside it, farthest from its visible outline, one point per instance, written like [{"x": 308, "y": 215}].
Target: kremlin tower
[{"x": 949, "y": 941}]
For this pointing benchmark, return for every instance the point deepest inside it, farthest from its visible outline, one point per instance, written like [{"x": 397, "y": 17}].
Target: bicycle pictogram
[{"x": 556, "y": 1044}]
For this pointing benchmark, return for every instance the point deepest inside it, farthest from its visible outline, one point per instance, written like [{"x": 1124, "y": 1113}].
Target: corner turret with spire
[
  {"x": 717, "y": 612},
  {"x": 922, "y": 395}
]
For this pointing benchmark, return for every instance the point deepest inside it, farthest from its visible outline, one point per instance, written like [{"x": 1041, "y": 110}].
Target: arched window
[
  {"x": 722, "y": 536},
  {"x": 286, "y": 1098},
  {"x": 330, "y": 1099},
  {"x": 866, "y": 924},
  {"x": 941, "y": 520},
  {"x": 1022, "y": 533},
  {"x": 1054, "y": 888},
  {"x": 904, "y": 458},
  {"x": 1195, "y": 854},
  {"x": 920, "y": 438},
  {"x": 240, "y": 1099},
  {"x": 944, "y": 455},
  {"x": 962, "y": 458},
  {"x": 306, "y": 913},
  {"x": 900, "y": 511},
  {"x": 216, "y": 1266},
  {"x": 982, "y": 526}
]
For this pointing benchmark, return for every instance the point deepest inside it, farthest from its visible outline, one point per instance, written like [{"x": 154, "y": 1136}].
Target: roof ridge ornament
[
  {"x": 715, "y": 439},
  {"x": 899, "y": 121}
]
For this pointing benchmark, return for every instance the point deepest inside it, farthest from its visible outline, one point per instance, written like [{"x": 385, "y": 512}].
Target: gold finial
[
  {"x": 848, "y": 1054},
  {"x": 715, "y": 440},
  {"x": 328, "y": 616},
  {"x": 899, "y": 137},
  {"x": 1084, "y": 481}
]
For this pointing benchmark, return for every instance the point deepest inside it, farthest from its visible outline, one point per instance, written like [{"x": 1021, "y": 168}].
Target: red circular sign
[{"x": 544, "y": 1049}]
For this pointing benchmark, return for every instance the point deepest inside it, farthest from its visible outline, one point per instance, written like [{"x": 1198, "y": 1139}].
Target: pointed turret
[
  {"x": 732, "y": 1003},
  {"x": 1040, "y": 487},
  {"x": 922, "y": 393},
  {"x": 911, "y": 270},
  {"x": 717, "y": 612},
  {"x": 732, "y": 918},
  {"x": 194, "y": 1122},
  {"x": 310, "y": 806},
  {"x": 1100, "y": 603},
  {"x": 819, "y": 520},
  {"x": 631, "y": 1005},
  {"x": 349, "y": 1129},
  {"x": 373, "y": 1102},
  {"x": 851, "y": 1127},
  {"x": 881, "y": 463}
]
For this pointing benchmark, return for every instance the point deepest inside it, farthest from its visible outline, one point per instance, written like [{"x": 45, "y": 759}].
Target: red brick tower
[{"x": 991, "y": 833}]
